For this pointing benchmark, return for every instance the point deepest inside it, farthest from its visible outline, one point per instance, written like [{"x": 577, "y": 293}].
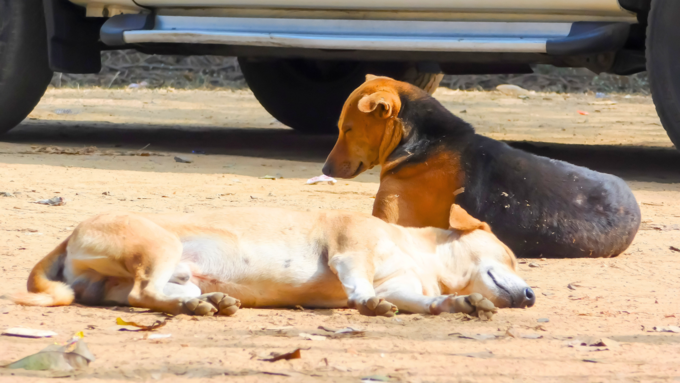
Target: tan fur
[
  {"x": 267, "y": 257},
  {"x": 43, "y": 290}
]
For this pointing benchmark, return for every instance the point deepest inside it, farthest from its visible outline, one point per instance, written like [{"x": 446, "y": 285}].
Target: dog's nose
[
  {"x": 529, "y": 298},
  {"x": 327, "y": 169}
]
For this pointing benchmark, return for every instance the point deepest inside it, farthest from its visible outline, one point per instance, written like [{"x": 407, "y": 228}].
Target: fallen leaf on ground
[
  {"x": 602, "y": 103},
  {"x": 64, "y": 357},
  {"x": 376, "y": 378},
  {"x": 347, "y": 332},
  {"x": 574, "y": 285},
  {"x": 480, "y": 355},
  {"x": 674, "y": 248},
  {"x": 475, "y": 336},
  {"x": 296, "y": 354},
  {"x": 54, "y": 201},
  {"x": 605, "y": 342},
  {"x": 58, "y": 150},
  {"x": 183, "y": 160},
  {"x": 512, "y": 332},
  {"x": 28, "y": 333},
  {"x": 141, "y": 327},
  {"x": 312, "y": 337}
]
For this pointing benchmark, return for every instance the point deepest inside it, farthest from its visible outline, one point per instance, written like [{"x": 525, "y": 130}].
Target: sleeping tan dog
[{"x": 212, "y": 263}]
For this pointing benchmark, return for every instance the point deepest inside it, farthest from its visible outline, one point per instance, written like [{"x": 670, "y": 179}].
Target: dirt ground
[{"x": 580, "y": 301}]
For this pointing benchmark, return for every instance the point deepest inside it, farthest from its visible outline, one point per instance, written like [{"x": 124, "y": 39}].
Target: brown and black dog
[{"x": 431, "y": 159}]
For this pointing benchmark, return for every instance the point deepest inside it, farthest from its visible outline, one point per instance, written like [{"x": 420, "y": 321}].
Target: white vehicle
[{"x": 302, "y": 58}]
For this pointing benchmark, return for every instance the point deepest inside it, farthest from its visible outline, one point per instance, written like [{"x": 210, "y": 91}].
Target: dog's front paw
[
  {"x": 196, "y": 306},
  {"x": 474, "y": 304},
  {"x": 223, "y": 303},
  {"x": 374, "y": 307}
]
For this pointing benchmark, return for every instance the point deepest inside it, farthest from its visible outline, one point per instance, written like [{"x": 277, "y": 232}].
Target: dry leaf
[
  {"x": 141, "y": 327},
  {"x": 475, "y": 336},
  {"x": 54, "y": 201},
  {"x": 605, "y": 342},
  {"x": 512, "y": 332},
  {"x": 311, "y": 337},
  {"x": 296, "y": 354},
  {"x": 64, "y": 357},
  {"x": 347, "y": 332},
  {"x": 28, "y": 333}
]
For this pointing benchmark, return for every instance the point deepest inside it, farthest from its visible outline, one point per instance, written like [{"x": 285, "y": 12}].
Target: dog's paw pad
[
  {"x": 376, "y": 307},
  {"x": 385, "y": 309},
  {"x": 474, "y": 304},
  {"x": 483, "y": 307},
  {"x": 199, "y": 307},
  {"x": 229, "y": 306},
  {"x": 222, "y": 303}
]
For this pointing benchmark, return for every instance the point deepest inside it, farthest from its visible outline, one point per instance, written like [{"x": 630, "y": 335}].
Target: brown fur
[{"x": 415, "y": 196}]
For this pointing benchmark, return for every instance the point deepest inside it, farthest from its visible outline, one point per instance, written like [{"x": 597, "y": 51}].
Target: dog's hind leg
[
  {"x": 138, "y": 259},
  {"x": 357, "y": 281}
]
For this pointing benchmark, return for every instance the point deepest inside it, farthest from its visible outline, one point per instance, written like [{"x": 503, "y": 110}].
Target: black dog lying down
[
  {"x": 535, "y": 205},
  {"x": 543, "y": 207}
]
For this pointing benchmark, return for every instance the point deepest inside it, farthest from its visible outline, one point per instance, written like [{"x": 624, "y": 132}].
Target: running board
[{"x": 376, "y": 35}]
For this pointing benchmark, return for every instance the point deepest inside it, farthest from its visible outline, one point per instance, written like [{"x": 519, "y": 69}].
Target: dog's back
[
  {"x": 536, "y": 205},
  {"x": 544, "y": 207}
]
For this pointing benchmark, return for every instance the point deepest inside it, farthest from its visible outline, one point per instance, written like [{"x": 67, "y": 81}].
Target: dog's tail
[{"x": 44, "y": 287}]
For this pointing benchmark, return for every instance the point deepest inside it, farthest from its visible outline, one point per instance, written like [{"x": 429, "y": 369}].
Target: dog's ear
[
  {"x": 382, "y": 102},
  {"x": 460, "y": 220},
  {"x": 371, "y": 77}
]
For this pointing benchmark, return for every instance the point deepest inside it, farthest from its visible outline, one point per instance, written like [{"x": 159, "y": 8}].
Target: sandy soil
[{"x": 620, "y": 299}]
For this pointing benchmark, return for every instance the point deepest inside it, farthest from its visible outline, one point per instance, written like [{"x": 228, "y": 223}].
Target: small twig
[
  {"x": 145, "y": 146},
  {"x": 113, "y": 79}
]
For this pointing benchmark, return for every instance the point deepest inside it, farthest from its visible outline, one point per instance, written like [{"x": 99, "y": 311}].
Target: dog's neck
[
  {"x": 452, "y": 263},
  {"x": 422, "y": 123},
  {"x": 394, "y": 132}
]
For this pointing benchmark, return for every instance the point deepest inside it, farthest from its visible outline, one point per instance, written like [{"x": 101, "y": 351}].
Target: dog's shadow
[{"x": 632, "y": 163}]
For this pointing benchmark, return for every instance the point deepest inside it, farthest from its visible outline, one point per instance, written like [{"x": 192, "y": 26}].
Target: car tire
[
  {"x": 663, "y": 56},
  {"x": 24, "y": 69},
  {"x": 308, "y": 95}
]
